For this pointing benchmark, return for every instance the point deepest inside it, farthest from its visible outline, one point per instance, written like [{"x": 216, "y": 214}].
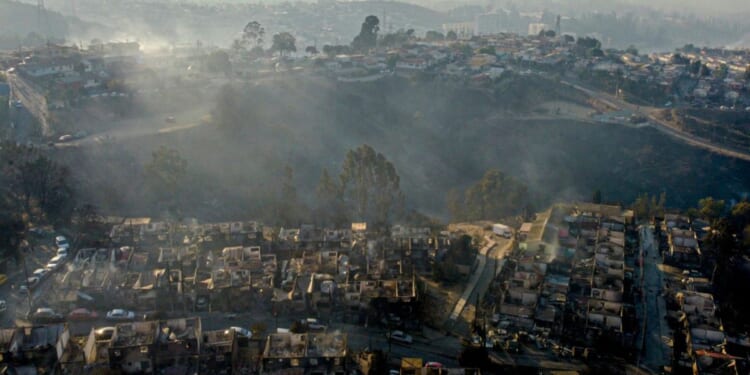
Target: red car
[{"x": 82, "y": 314}]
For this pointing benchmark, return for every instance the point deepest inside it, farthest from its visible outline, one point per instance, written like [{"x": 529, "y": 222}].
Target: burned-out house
[
  {"x": 307, "y": 353},
  {"x": 683, "y": 248},
  {"x": 33, "y": 350},
  {"x": 145, "y": 347},
  {"x": 219, "y": 351}
]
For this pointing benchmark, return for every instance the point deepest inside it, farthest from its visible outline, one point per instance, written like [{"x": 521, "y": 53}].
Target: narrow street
[
  {"x": 489, "y": 259},
  {"x": 655, "y": 352}
]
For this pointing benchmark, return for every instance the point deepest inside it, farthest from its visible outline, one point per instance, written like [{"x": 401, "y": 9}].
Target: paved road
[
  {"x": 429, "y": 345},
  {"x": 471, "y": 287},
  {"x": 661, "y": 125},
  {"x": 655, "y": 353},
  {"x": 490, "y": 261},
  {"x": 32, "y": 102},
  {"x": 143, "y": 127}
]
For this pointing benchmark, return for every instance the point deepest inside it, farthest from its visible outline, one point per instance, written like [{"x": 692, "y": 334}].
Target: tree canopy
[
  {"x": 284, "y": 42},
  {"x": 370, "y": 184},
  {"x": 368, "y": 34},
  {"x": 711, "y": 208},
  {"x": 37, "y": 182},
  {"x": 494, "y": 196},
  {"x": 433, "y": 35},
  {"x": 253, "y": 33}
]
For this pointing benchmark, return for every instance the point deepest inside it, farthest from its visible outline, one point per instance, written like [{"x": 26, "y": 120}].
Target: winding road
[{"x": 661, "y": 125}]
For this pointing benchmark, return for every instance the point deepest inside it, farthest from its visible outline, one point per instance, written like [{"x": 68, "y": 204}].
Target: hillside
[{"x": 438, "y": 135}]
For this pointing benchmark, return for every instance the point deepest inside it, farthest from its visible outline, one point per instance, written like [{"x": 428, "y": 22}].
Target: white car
[
  {"x": 62, "y": 252},
  {"x": 120, "y": 314},
  {"x": 55, "y": 262},
  {"x": 32, "y": 281},
  {"x": 314, "y": 325},
  {"x": 399, "y": 336},
  {"x": 62, "y": 242},
  {"x": 39, "y": 273},
  {"x": 241, "y": 331}
]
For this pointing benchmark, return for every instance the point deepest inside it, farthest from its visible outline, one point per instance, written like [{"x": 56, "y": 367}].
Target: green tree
[
  {"x": 311, "y": 50},
  {"x": 165, "y": 174},
  {"x": 451, "y": 35},
  {"x": 494, "y": 196},
  {"x": 35, "y": 183},
  {"x": 588, "y": 43},
  {"x": 252, "y": 35},
  {"x": 284, "y": 42},
  {"x": 632, "y": 50},
  {"x": 647, "y": 206},
  {"x": 368, "y": 34},
  {"x": 370, "y": 183},
  {"x": 711, "y": 208},
  {"x": 330, "y": 206},
  {"x": 434, "y": 36}
]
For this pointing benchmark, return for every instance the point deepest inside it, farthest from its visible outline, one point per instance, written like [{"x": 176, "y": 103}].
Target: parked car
[
  {"x": 399, "y": 336},
  {"x": 170, "y": 119},
  {"x": 65, "y": 138},
  {"x": 46, "y": 315},
  {"x": 61, "y": 241},
  {"x": 82, "y": 314},
  {"x": 18, "y": 104},
  {"x": 23, "y": 290},
  {"x": 55, "y": 262},
  {"x": 313, "y": 324},
  {"x": 104, "y": 333},
  {"x": 120, "y": 314},
  {"x": 62, "y": 251},
  {"x": 31, "y": 282},
  {"x": 242, "y": 332},
  {"x": 433, "y": 365},
  {"x": 39, "y": 273},
  {"x": 3, "y": 306}
]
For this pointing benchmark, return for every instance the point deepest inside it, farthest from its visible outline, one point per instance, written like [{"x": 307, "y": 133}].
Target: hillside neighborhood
[
  {"x": 579, "y": 284},
  {"x": 352, "y": 278},
  {"x": 691, "y": 76}
]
